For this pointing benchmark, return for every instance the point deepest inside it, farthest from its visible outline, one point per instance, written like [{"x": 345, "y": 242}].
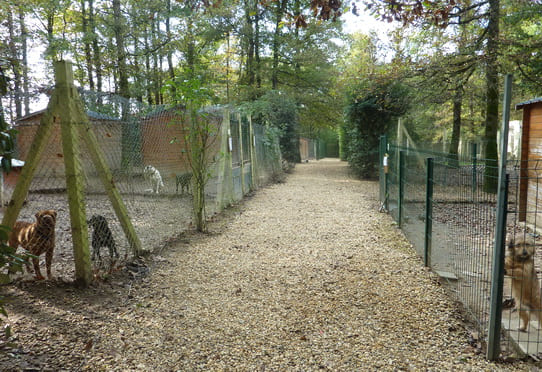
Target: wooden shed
[
  {"x": 531, "y": 161},
  {"x": 107, "y": 129}
]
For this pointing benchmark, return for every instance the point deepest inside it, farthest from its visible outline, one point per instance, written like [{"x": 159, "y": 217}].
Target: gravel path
[{"x": 305, "y": 275}]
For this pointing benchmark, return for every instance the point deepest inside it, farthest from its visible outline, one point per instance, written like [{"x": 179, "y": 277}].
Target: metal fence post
[
  {"x": 497, "y": 280},
  {"x": 401, "y": 187},
  {"x": 474, "y": 170},
  {"x": 428, "y": 213},
  {"x": 381, "y": 152},
  {"x": 495, "y": 310}
]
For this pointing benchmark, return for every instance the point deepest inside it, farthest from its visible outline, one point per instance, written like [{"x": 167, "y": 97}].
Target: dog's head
[
  {"x": 149, "y": 169},
  {"x": 522, "y": 248},
  {"x": 97, "y": 221},
  {"x": 46, "y": 218}
]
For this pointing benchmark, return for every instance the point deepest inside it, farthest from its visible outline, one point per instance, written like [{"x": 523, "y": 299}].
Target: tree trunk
[
  {"x": 15, "y": 65},
  {"x": 130, "y": 149},
  {"x": 279, "y": 13},
  {"x": 492, "y": 99},
  {"x": 190, "y": 54},
  {"x": 171, "y": 67},
  {"x": 456, "y": 128},
  {"x": 155, "y": 70},
  {"x": 24, "y": 61},
  {"x": 118, "y": 27},
  {"x": 249, "y": 37},
  {"x": 95, "y": 46},
  {"x": 86, "y": 44},
  {"x": 258, "y": 67},
  {"x": 148, "y": 78}
]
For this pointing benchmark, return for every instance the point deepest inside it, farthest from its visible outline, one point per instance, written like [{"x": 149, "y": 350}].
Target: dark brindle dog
[
  {"x": 37, "y": 238},
  {"x": 183, "y": 179},
  {"x": 102, "y": 237}
]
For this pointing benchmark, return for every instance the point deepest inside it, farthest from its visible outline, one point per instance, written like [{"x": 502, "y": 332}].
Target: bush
[
  {"x": 280, "y": 111},
  {"x": 372, "y": 108}
]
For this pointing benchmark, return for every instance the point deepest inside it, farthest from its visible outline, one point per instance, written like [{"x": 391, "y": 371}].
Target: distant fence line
[{"x": 439, "y": 202}]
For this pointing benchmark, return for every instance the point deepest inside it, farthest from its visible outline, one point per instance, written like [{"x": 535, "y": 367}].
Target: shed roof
[
  {"x": 91, "y": 115},
  {"x": 529, "y": 102}
]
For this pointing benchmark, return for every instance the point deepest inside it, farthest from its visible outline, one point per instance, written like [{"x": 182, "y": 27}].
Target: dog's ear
[
  {"x": 53, "y": 213},
  {"x": 38, "y": 215}
]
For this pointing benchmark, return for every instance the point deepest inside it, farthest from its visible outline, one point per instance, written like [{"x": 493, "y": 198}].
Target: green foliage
[
  {"x": 192, "y": 98},
  {"x": 280, "y": 111},
  {"x": 372, "y": 107},
  {"x": 8, "y": 258}
]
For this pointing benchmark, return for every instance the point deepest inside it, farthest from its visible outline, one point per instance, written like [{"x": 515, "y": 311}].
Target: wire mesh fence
[
  {"x": 147, "y": 151},
  {"x": 460, "y": 241}
]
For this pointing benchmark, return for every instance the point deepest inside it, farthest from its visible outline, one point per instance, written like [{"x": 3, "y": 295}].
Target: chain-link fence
[
  {"x": 440, "y": 203},
  {"x": 147, "y": 150}
]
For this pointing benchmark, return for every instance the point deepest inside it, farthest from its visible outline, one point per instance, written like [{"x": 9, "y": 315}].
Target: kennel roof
[
  {"x": 15, "y": 162},
  {"x": 519, "y": 106},
  {"x": 93, "y": 115}
]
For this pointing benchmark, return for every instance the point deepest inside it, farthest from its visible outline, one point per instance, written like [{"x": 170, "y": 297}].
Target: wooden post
[
  {"x": 66, "y": 94},
  {"x": 253, "y": 157},
  {"x": 241, "y": 145},
  {"x": 107, "y": 179},
  {"x": 225, "y": 178},
  {"x": 497, "y": 272}
]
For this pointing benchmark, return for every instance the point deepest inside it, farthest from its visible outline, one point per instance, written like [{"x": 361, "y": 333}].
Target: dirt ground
[{"x": 304, "y": 275}]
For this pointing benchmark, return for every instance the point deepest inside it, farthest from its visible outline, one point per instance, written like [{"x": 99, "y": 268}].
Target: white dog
[{"x": 153, "y": 176}]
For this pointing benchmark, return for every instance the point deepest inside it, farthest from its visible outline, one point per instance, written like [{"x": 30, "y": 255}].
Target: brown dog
[
  {"x": 519, "y": 264},
  {"x": 36, "y": 238}
]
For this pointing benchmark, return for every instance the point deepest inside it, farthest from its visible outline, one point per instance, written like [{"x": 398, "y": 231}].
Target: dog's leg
[
  {"x": 37, "y": 271},
  {"x": 115, "y": 249},
  {"x": 96, "y": 250},
  {"x": 27, "y": 264},
  {"x": 48, "y": 262},
  {"x": 524, "y": 317}
]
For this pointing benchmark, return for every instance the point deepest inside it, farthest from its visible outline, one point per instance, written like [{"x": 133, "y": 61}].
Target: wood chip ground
[{"x": 304, "y": 275}]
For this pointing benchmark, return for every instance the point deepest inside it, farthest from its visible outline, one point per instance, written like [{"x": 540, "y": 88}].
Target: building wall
[
  {"x": 108, "y": 134},
  {"x": 531, "y": 164}
]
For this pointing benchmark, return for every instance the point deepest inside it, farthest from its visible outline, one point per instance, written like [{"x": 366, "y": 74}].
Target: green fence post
[
  {"x": 381, "y": 152},
  {"x": 497, "y": 276},
  {"x": 473, "y": 161},
  {"x": 428, "y": 214},
  {"x": 401, "y": 187}
]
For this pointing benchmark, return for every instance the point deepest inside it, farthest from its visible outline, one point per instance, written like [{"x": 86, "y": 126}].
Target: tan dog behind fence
[
  {"x": 37, "y": 238},
  {"x": 519, "y": 265}
]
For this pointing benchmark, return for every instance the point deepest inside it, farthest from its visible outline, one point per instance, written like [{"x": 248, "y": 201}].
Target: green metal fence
[{"x": 439, "y": 202}]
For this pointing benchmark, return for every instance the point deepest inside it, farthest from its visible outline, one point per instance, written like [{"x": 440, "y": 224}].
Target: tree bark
[
  {"x": 492, "y": 99},
  {"x": 24, "y": 61},
  {"x": 456, "y": 126},
  {"x": 279, "y": 13},
  {"x": 86, "y": 44},
  {"x": 95, "y": 46},
  {"x": 15, "y": 65}
]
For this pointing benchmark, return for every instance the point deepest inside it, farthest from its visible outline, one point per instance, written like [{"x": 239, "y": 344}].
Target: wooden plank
[
  {"x": 225, "y": 179},
  {"x": 241, "y": 145},
  {"x": 74, "y": 172},
  {"x": 107, "y": 180},
  {"x": 525, "y": 140},
  {"x": 253, "y": 157}
]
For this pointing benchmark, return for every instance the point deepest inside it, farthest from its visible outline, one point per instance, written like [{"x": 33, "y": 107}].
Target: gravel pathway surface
[{"x": 305, "y": 275}]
